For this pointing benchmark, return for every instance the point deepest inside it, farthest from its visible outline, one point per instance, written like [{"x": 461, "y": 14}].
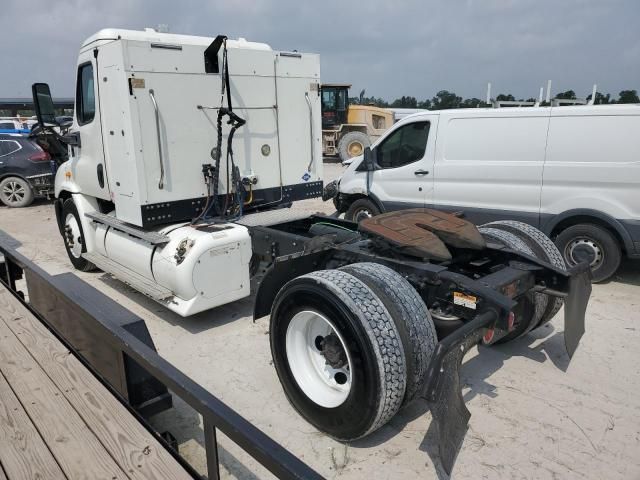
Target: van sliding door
[{"x": 489, "y": 164}]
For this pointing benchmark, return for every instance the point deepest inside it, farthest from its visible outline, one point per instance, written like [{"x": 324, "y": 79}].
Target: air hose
[{"x": 233, "y": 209}]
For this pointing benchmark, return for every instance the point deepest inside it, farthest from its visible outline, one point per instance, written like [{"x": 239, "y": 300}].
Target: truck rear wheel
[
  {"x": 73, "y": 236},
  {"x": 410, "y": 315},
  {"x": 338, "y": 353},
  {"x": 544, "y": 249},
  {"x": 353, "y": 144},
  {"x": 524, "y": 322},
  {"x": 593, "y": 244}
]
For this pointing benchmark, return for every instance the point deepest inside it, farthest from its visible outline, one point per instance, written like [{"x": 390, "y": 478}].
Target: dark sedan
[{"x": 25, "y": 171}]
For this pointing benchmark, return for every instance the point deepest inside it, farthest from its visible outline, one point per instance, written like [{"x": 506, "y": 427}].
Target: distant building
[{"x": 23, "y": 107}]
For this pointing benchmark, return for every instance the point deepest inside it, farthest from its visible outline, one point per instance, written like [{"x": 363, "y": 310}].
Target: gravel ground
[{"x": 534, "y": 415}]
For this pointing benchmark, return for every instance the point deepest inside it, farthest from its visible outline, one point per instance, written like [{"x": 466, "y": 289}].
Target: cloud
[{"x": 391, "y": 48}]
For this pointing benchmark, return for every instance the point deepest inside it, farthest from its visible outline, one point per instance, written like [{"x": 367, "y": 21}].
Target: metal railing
[{"x": 216, "y": 415}]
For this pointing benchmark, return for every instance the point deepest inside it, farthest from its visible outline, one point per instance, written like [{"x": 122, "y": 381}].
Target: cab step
[
  {"x": 131, "y": 278},
  {"x": 154, "y": 238}
]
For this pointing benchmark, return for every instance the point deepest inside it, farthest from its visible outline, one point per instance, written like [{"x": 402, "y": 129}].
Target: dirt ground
[{"x": 534, "y": 414}]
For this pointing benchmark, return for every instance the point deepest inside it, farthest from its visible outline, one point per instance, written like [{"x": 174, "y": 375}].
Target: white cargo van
[{"x": 572, "y": 171}]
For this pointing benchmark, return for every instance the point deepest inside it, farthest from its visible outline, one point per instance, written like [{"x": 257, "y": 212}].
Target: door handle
[{"x": 421, "y": 172}]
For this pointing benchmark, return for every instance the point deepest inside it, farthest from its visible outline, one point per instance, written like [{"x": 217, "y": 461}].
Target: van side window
[
  {"x": 404, "y": 146},
  {"x": 85, "y": 97}
]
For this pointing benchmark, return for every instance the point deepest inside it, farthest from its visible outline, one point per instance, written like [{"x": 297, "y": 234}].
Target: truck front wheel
[
  {"x": 73, "y": 236},
  {"x": 338, "y": 353},
  {"x": 360, "y": 209}
]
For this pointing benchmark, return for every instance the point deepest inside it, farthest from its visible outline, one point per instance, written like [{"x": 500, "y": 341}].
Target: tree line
[{"x": 445, "y": 99}]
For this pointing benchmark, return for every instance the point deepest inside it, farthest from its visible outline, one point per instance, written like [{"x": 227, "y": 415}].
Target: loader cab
[{"x": 335, "y": 104}]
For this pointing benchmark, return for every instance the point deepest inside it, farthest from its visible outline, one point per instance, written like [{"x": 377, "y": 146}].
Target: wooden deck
[{"x": 57, "y": 420}]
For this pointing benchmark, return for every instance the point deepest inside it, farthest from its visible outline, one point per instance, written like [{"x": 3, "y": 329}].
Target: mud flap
[
  {"x": 575, "y": 306},
  {"x": 443, "y": 391}
]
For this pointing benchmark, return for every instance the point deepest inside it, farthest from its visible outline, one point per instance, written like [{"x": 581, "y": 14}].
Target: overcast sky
[{"x": 389, "y": 47}]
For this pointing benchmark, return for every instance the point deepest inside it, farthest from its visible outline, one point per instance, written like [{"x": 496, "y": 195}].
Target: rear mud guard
[
  {"x": 575, "y": 306},
  {"x": 443, "y": 390}
]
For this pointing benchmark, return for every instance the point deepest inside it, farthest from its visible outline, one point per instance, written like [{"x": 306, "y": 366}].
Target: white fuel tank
[{"x": 204, "y": 266}]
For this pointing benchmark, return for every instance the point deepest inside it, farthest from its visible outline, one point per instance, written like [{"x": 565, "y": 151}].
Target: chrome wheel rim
[
  {"x": 362, "y": 214},
  {"x": 319, "y": 359},
  {"x": 13, "y": 192},
  {"x": 584, "y": 249}
]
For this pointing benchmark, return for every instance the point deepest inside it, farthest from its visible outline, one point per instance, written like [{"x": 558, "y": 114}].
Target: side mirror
[
  {"x": 369, "y": 162},
  {"x": 43, "y": 103}
]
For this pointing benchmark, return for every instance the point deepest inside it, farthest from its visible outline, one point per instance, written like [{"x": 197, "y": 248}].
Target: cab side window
[
  {"x": 85, "y": 96},
  {"x": 404, "y": 146}
]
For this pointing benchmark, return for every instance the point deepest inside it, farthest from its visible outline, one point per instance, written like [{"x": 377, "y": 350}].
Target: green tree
[
  {"x": 505, "y": 98},
  {"x": 445, "y": 99},
  {"x": 471, "y": 103},
  {"x": 628, "y": 96},
  {"x": 568, "y": 95},
  {"x": 601, "y": 99},
  {"x": 405, "y": 102}
]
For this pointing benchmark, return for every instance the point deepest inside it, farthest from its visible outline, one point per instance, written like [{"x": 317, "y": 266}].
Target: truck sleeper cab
[{"x": 572, "y": 171}]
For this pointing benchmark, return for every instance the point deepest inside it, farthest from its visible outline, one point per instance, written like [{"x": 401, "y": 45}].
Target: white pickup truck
[{"x": 571, "y": 171}]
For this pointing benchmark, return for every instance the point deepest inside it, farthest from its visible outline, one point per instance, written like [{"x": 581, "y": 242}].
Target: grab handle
[
  {"x": 306, "y": 96},
  {"x": 155, "y": 107}
]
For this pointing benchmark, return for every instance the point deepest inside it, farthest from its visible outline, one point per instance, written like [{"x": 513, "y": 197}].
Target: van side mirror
[
  {"x": 369, "y": 162},
  {"x": 43, "y": 103}
]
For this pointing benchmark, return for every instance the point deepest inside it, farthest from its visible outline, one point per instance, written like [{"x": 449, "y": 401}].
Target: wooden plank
[
  {"x": 76, "y": 449},
  {"x": 23, "y": 453},
  {"x": 136, "y": 450}
]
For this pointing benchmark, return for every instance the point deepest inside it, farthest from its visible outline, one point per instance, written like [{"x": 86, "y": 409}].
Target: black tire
[
  {"x": 584, "y": 241},
  {"x": 373, "y": 343},
  {"x": 522, "y": 324},
  {"x": 410, "y": 315},
  {"x": 544, "y": 249},
  {"x": 80, "y": 263},
  {"x": 360, "y": 209},
  {"x": 353, "y": 144},
  {"x": 16, "y": 192}
]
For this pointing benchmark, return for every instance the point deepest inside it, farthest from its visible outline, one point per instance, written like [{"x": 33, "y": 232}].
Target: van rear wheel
[
  {"x": 338, "y": 353},
  {"x": 593, "y": 244}
]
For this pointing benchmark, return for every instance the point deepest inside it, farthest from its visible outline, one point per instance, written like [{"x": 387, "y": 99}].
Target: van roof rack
[
  {"x": 555, "y": 102},
  {"x": 511, "y": 103}
]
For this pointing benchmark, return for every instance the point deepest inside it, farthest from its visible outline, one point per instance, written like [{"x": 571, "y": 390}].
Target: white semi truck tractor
[{"x": 176, "y": 175}]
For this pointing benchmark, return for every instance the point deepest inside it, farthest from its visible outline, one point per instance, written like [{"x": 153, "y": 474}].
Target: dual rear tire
[
  {"x": 524, "y": 238},
  {"x": 350, "y": 346}
]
